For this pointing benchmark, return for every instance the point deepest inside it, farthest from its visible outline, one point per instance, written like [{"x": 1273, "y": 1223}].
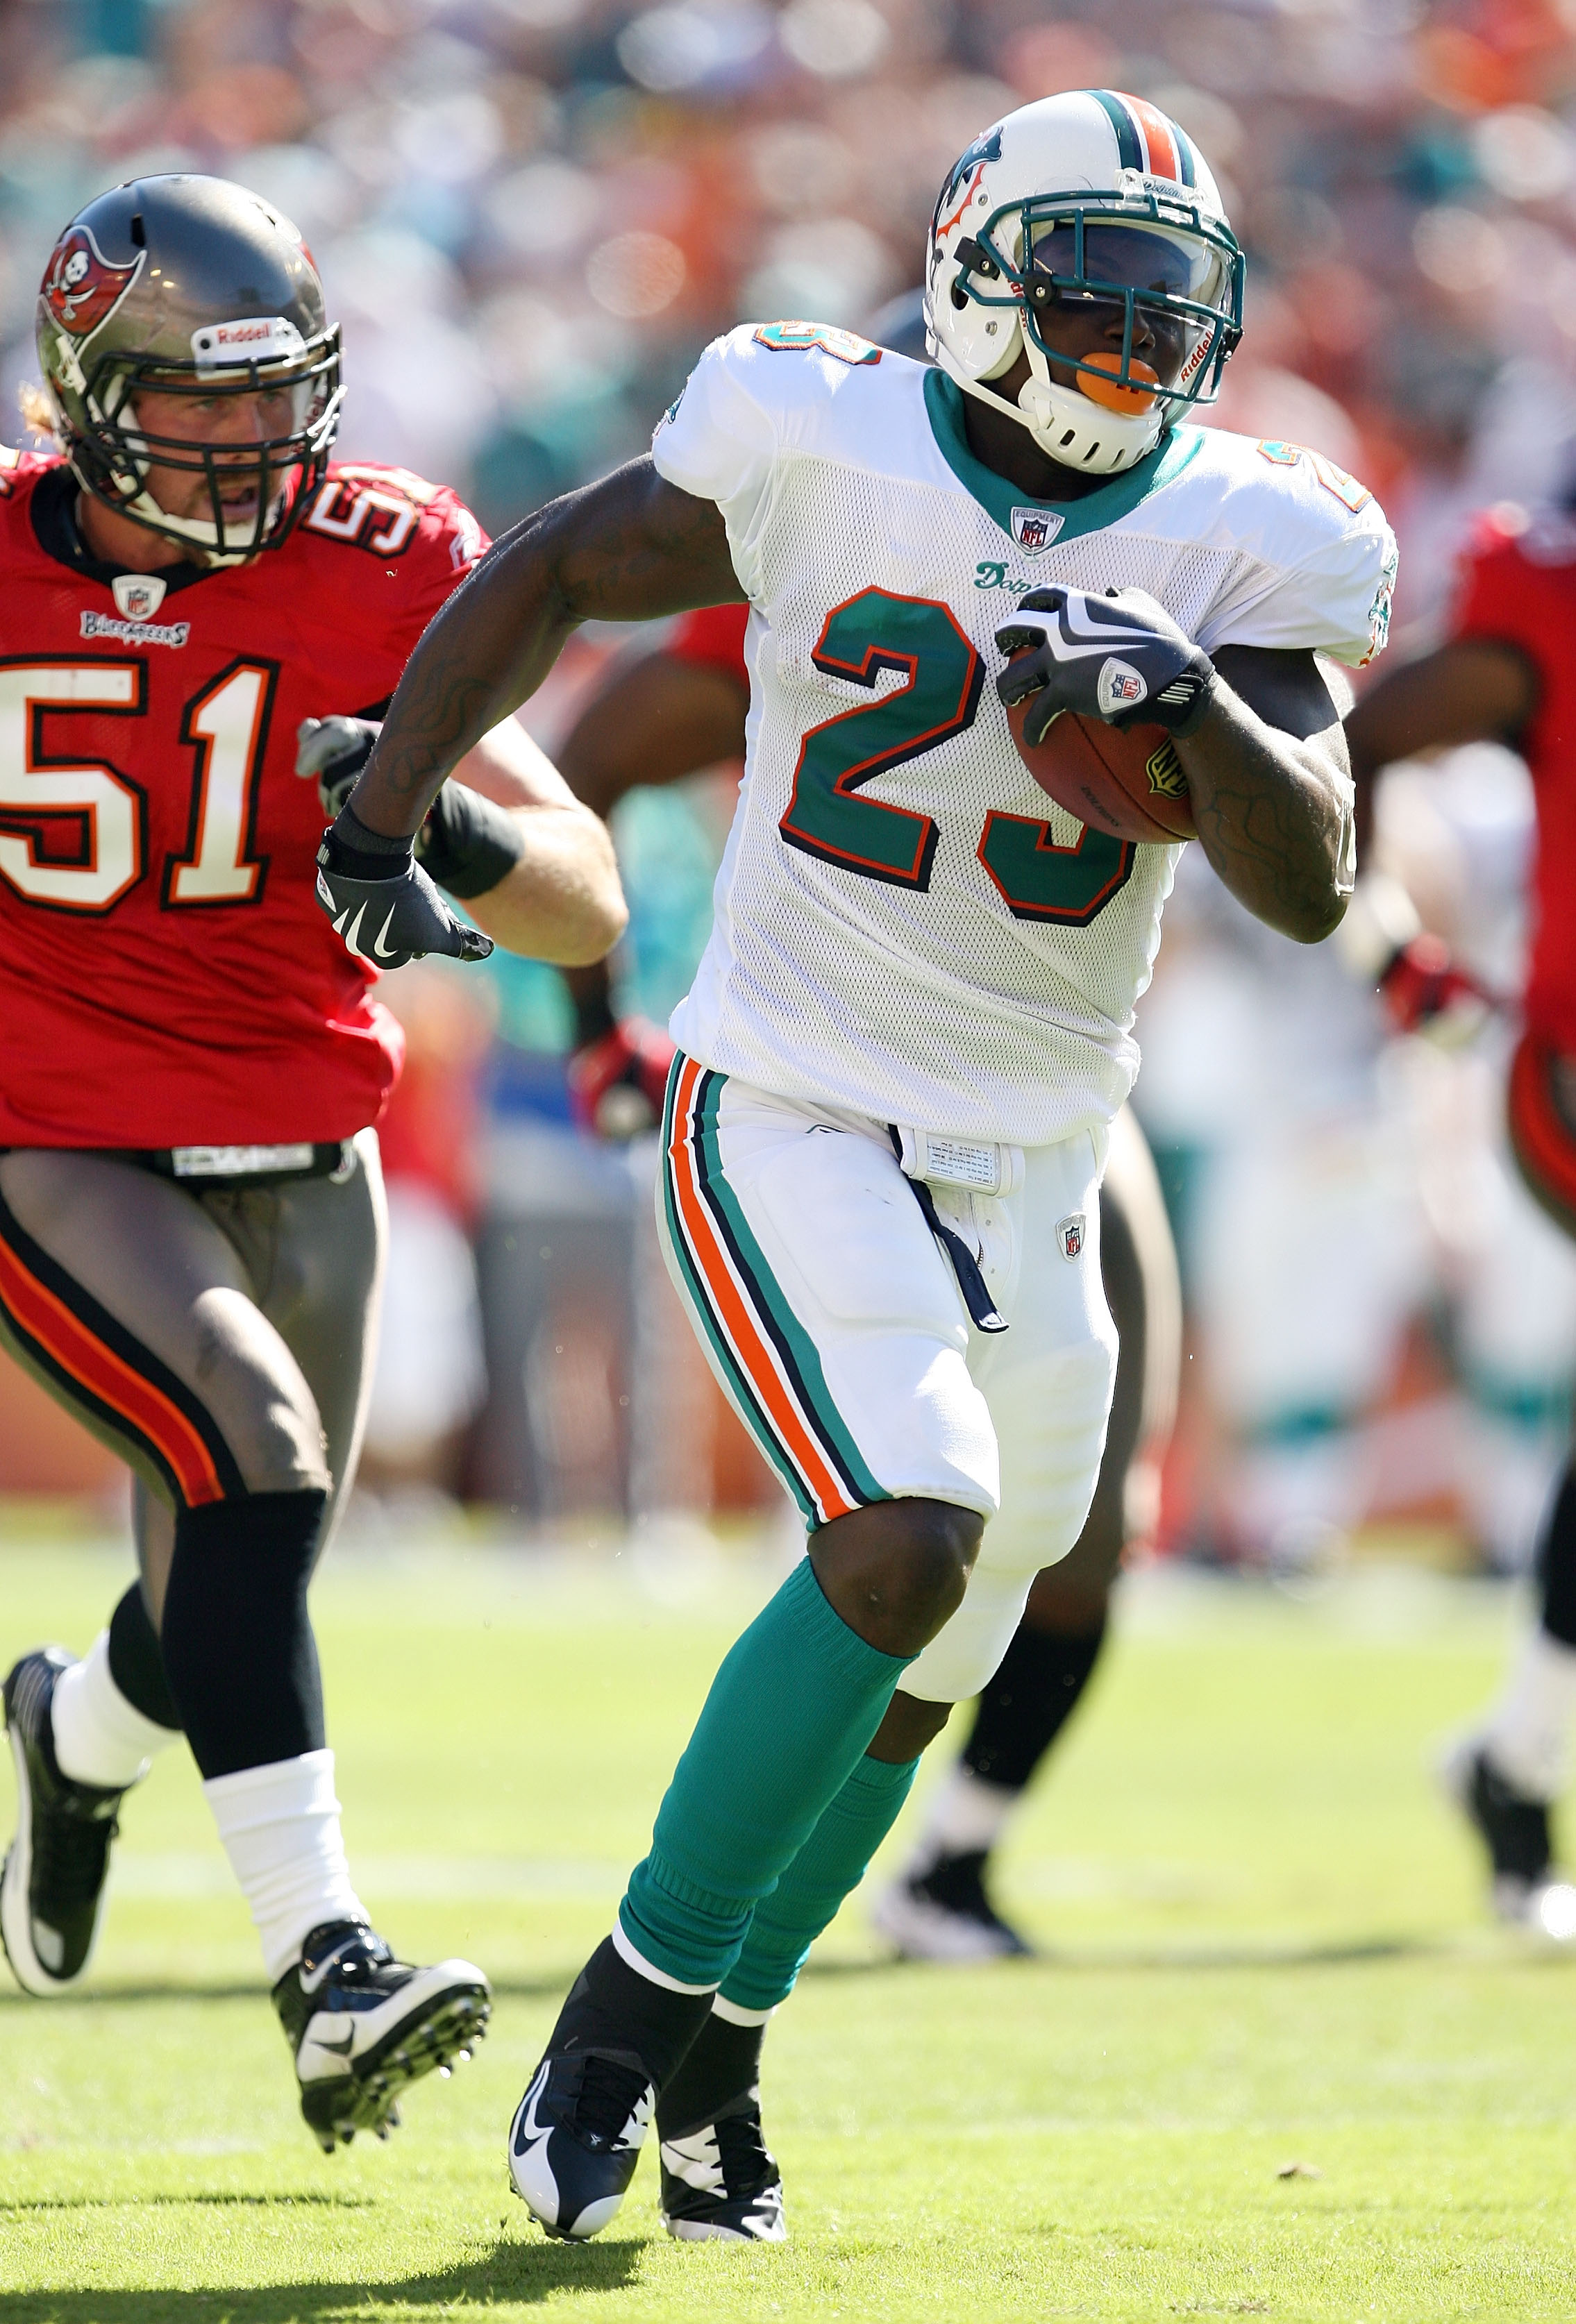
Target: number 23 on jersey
[
  {"x": 939, "y": 696},
  {"x": 48, "y": 791}
]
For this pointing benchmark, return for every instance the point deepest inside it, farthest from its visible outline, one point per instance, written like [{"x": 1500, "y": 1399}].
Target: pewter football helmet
[{"x": 194, "y": 287}]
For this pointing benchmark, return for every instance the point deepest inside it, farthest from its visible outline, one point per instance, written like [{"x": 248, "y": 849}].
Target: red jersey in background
[
  {"x": 715, "y": 635},
  {"x": 1518, "y": 585},
  {"x": 166, "y": 975}
]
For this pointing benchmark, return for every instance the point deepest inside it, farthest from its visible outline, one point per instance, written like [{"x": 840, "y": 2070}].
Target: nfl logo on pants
[{"x": 1070, "y": 1234}]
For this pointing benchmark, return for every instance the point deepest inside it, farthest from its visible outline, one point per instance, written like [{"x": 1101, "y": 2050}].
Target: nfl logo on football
[
  {"x": 1034, "y": 529},
  {"x": 1070, "y": 1234}
]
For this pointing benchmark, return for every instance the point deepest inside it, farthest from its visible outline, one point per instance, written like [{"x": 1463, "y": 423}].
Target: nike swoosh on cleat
[
  {"x": 340, "y": 2049},
  {"x": 530, "y": 2134}
]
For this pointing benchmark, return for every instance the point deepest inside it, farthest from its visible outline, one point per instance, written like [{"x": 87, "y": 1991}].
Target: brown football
[{"x": 1128, "y": 782}]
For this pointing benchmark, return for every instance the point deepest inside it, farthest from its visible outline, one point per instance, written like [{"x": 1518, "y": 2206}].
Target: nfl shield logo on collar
[
  {"x": 137, "y": 595},
  {"x": 1034, "y": 529},
  {"x": 1070, "y": 1234}
]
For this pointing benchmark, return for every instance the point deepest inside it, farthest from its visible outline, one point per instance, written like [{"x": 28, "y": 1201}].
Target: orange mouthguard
[{"x": 1115, "y": 398}]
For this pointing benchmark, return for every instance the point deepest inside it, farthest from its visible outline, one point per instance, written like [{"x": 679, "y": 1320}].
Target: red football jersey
[
  {"x": 166, "y": 976},
  {"x": 712, "y": 635},
  {"x": 1518, "y": 584}
]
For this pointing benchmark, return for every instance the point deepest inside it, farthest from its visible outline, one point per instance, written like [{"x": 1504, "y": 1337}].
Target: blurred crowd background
[{"x": 530, "y": 216}]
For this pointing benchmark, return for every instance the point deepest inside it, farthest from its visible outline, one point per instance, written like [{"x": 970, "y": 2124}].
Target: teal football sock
[
  {"x": 828, "y": 1867},
  {"x": 789, "y": 1713}
]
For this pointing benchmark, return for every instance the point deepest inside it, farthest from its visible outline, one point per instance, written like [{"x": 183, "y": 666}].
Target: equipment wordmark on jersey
[{"x": 362, "y": 2025}]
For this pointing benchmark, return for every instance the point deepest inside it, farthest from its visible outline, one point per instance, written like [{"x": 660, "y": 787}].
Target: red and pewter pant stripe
[
  {"x": 1541, "y": 1139},
  {"x": 105, "y": 1374}
]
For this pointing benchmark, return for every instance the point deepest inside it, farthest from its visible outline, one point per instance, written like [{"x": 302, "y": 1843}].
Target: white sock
[
  {"x": 630, "y": 1954},
  {"x": 280, "y": 1825},
  {"x": 733, "y": 2013},
  {"x": 1528, "y": 1735},
  {"x": 965, "y": 1813},
  {"x": 99, "y": 1737}
]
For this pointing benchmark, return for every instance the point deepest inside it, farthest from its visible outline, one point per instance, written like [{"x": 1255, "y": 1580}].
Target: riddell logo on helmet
[
  {"x": 251, "y": 338},
  {"x": 80, "y": 288}
]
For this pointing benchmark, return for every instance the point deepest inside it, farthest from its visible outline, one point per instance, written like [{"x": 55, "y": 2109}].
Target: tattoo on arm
[
  {"x": 629, "y": 549},
  {"x": 1272, "y": 791}
]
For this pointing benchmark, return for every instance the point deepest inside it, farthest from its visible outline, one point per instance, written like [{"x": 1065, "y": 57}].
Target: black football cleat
[
  {"x": 577, "y": 2137},
  {"x": 944, "y": 1915},
  {"x": 52, "y": 1882},
  {"x": 721, "y": 2182},
  {"x": 362, "y": 2025},
  {"x": 1524, "y": 1889}
]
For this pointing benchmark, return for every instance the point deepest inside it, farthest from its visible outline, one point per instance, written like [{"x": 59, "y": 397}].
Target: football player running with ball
[
  {"x": 191, "y": 1214},
  {"x": 910, "y": 1032},
  {"x": 670, "y": 714}
]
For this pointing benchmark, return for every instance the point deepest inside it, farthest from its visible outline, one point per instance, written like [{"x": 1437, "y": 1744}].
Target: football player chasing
[
  {"x": 904, "y": 1048},
  {"x": 1505, "y": 674},
  {"x": 192, "y": 1213},
  {"x": 667, "y": 715}
]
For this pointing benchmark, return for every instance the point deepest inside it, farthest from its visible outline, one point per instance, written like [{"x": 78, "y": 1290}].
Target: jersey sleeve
[
  {"x": 1322, "y": 572},
  {"x": 713, "y": 636},
  {"x": 722, "y": 441},
  {"x": 447, "y": 545},
  {"x": 383, "y": 549}
]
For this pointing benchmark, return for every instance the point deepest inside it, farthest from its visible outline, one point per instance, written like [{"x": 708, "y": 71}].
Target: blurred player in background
[
  {"x": 672, "y": 712},
  {"x": 905, "y": 1046},
  {"x": 191, "y": 1210},
  {"x": 1505, "y": 672}
]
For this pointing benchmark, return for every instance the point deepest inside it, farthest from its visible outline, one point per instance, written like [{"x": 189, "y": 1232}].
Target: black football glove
[
  {"x": 466, "y": 843},
  {"x": 382, "y": 902},
  {"x": 1119, "y": 657}
]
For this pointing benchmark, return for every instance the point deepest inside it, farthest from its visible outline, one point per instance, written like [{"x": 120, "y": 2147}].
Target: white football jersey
[{"x": 905, "y": 925}]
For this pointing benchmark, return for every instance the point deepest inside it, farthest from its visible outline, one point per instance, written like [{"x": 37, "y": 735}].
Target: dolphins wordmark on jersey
[{"x": 906, "y": 925}]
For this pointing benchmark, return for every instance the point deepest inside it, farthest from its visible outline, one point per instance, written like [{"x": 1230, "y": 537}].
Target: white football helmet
[{"x": 1089, "y": 196}]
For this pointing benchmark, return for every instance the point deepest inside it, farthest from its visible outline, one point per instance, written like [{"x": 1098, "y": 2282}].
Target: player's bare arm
[
  {"x": 1265, "y": 763},
  {"x": 1271, "y": 790},
  {"x": 1472, "y": 690},
  {"x": 658, "y": 720},
  {"x": 630, "y": 548},
  {"x": 562, "y": 900}
]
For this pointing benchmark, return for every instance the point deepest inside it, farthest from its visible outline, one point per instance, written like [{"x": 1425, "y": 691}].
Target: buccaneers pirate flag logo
[{"x": 80, "y": 287}]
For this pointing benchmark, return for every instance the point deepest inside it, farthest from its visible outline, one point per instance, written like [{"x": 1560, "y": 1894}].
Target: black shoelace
[
  {"x": 748, "y": 2166},
  {"x": 609, "y": 2095}
]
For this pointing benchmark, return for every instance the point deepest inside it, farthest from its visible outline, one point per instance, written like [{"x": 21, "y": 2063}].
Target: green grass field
[{"x": 1264, "y": 1947}]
